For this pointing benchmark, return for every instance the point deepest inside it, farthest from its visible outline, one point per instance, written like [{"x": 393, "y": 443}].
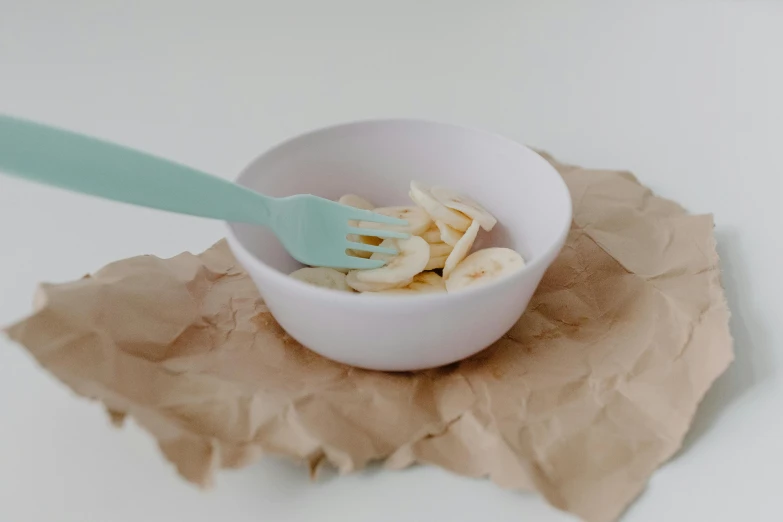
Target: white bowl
[{"x": 378, "y": 160}]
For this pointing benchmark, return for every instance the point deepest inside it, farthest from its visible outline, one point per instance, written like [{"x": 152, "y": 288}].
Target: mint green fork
[{"x": 314, "y": 230}]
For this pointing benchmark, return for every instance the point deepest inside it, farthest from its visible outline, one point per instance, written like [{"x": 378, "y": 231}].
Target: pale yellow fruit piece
[
  {"x": 484, "y": 266},
  {"x": 448, "y": 235},
  {"x": 361, "y": 286},
  {"x": 436, "y": 262},
  {"x": 440, "y": 249},
  {"x": 465, "y": 205},
  {"x": 411, "y": 258},
  {"x": 421, "y": 195},
  {"x": 324, "y": 277},
  {"x": 461, "y": 249},
  {"x": 424, "y": 283},
  {"x": 341, "y": 270},
  {"x": 431, "y": 235},
  {"x": 418, "y": 220},
  {"x": 352, "y": 200},
  {"x": 367, "y": 240}
]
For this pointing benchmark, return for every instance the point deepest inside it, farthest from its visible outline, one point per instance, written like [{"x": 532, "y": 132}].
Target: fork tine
[
  {"x": 371, "y": 248},
  {"x": 368, "y": 215},
  {"x": 378, "y": 233},
  {"x": 358, "y": 263}
]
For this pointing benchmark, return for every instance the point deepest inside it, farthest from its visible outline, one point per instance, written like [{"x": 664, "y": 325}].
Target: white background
[{"x": 688, "y": 95}]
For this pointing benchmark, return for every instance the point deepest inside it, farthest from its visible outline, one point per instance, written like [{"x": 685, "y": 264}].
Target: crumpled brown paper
[{"x": 582, "y": 400}]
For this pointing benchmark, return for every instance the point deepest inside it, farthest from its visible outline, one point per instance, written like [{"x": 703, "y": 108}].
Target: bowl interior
[{"x": 378, "y": 160}]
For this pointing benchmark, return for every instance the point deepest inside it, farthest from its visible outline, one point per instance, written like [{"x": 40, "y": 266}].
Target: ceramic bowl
[{"x": 378, "y": 160}]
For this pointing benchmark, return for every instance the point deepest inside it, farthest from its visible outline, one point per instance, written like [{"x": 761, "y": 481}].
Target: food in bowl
[
  {"x": 443, "y": 226},
  {"x": 377, "y": 160}
]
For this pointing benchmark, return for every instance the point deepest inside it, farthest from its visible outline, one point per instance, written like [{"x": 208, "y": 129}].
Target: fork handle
[{"x": 90, "y": 166}]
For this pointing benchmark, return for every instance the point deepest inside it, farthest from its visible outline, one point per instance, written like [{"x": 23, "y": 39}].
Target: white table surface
[{"x": 688, "y": 95}]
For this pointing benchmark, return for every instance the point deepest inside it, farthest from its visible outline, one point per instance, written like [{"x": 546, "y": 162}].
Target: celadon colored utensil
[{"x": 313, "y": 230}]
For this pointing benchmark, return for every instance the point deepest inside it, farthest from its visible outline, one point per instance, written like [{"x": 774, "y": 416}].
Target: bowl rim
[{"x": 374, "y": 299}]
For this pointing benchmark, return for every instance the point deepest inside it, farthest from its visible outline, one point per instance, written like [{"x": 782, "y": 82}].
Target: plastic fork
[{"x": 314, "y": 230}]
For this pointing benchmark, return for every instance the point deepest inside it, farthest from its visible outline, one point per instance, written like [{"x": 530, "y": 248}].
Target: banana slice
[
  {"x": 411, "y": 258},
  {"x": 436, "y": 262},
  {"x": 418, "y": 220},
  {"x": 448, "y": 235},
  {"x": 367, "y": 240},
  {"x": 440, "y": 249},
  {"x": 465, "y": 205},
  {"x": 421, "y": 195},
  {"x": 424, "y": 283},
  {"x": 325, "y": 277},
  {"x": 484, "y": 266},
  {"x": 461, "y": 249},
  {"x": 353, "y": 281},
  {"x": 432, "y": 235},
  {"x": 352, "y": 200},
  {"x": 341, "y": 270}
]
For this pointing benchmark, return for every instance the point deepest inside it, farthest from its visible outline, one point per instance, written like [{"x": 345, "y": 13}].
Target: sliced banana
[
  {"x": 325, "y": 277},
  {"x": 436, "y": 262},
  {"x": 431, "y": 235},
  {"x": 367, "y": 240},
  {"x": 484, "y": 266},
  {"x": 418, "y": 220},
  {"x": 424, "y": 283},
  {"x": 341, "y": 270},
  {"x": 461, "y": 249},
  {"x": 352, "y": 200},
  {"x": 443, "y": 227},
  {"x": 353, "y": 281},
  {"x": 440, "y": 249},
  {"x": 448, "y": 235},
  {"x": 421, "y": 195},
  {"x": 465, "y": 205},
  {"x": 411, "y": 258}
]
